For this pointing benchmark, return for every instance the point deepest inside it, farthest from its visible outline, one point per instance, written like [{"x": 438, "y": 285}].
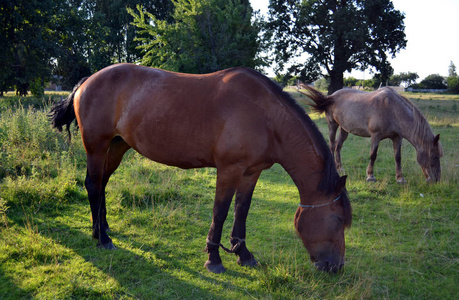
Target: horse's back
[
  {"x": 365, "y": 113},
  {"x": 173, "y": 118}
]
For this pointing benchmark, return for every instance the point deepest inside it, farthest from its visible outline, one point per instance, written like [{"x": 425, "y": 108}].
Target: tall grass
[{"x": 403, "y": 242}]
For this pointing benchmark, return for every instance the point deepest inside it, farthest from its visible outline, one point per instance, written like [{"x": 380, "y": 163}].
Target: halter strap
[{"x": 319, "y": 205}]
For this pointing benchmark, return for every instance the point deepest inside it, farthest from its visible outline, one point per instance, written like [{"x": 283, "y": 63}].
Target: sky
[{"x": 432, "y": 32}]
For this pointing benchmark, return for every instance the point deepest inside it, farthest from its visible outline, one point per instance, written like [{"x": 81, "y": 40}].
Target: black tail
[
  {"x": 321, "y": 102},
  {"x": 63, "y": 113}
]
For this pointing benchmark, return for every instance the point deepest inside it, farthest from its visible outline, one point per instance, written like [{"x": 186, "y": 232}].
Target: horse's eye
[{"x": 340, "y": 220}]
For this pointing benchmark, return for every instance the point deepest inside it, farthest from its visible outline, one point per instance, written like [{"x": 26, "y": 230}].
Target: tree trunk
[{"x": 336, "y": 81}]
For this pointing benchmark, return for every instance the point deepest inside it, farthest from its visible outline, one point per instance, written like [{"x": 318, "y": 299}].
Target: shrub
[{"x": 37, "y": 89}]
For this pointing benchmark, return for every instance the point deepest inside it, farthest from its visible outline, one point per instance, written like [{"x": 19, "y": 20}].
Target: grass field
[{"x": 403, "y": 243}]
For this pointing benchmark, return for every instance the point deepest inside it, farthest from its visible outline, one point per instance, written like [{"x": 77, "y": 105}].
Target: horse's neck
[
  {"x": 298, "y": 153},
  {"x": 417, "y": 131}
]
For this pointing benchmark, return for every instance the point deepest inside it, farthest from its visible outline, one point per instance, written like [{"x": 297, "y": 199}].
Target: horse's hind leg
[
  {"x": 332, "y": 128},
  {"x": 94, "y": 186},
  {"x": 397, "y": 143},
  {"x": 115, "y": 154},
  {"x": 101, "y": 165},
  {"x": 373, "y": 154},
  {"x": 343, "y": 134},
  {"x": 244, "y": 194}
]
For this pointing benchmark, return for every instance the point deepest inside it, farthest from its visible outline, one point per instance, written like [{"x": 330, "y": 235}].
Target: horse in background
[
  {"x": 235, "y": 120},
  {"x": 379, "y": 115}
]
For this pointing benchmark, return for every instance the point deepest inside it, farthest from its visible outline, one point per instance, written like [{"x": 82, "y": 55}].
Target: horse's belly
[
  {"x": 356, "y": 128},
  {"x": 182, "y": 152},
  {"x": 363, "y": 132}
]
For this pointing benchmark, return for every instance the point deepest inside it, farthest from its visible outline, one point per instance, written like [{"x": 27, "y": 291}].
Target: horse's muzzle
[{"x": 328, "y": 266}]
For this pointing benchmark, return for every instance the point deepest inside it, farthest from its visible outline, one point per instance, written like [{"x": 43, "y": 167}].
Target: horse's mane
[
  {"x": 330, "y": 175},
  {"x": 420, "y": 131}
]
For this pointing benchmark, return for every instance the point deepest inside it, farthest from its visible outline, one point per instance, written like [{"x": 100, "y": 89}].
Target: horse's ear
[
  {"x": 341, "y": 184},
  {"x": 436, "y": 139}
]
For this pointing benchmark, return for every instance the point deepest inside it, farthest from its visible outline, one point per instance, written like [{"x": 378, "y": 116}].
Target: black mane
[{"x": 330, "y": 175}]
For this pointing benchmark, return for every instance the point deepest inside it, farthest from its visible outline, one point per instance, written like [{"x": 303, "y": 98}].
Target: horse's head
[
  {"x": 429, "y": 159},
  {"x": 321, "y": 227}
]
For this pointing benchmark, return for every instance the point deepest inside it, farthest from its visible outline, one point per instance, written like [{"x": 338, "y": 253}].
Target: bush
[{"x": 37, "y": 89}]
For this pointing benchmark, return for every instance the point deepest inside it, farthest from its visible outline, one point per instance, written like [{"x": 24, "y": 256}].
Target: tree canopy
[
  {"x": 70, "y": 39},
  {"x": 338, "y": 36},
  {"x": 65, "y": 40},
  {"x": 203, "y": 36},
  {"x": 27, "y": 42}
]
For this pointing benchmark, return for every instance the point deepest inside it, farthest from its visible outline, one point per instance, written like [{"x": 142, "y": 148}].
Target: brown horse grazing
[
  {"x": 236, "y": 120},
  {"x": 379, "y": 115}
]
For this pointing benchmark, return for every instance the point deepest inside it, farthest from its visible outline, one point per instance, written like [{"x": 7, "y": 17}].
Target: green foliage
[
  {"x": 338, "y": 36},
  {"x": 453, "y": 84},
  {"x": 285, "y": 80},
  {"x": 204, "y": 36},
  {"x": 70, "y": 39},
  {"x": 322, "y": 84},
  {"x": 433, "y": 81},
  {"x": 37, "y": 89},
  {"x": 453, "y": 80},
  {"x": 28, "y": 43},
  {"x": 3, "y": 216},
  {"x": 452, "y": 70},
  {"x": 350, "y": 81},
  {"x": 407, "y": 78}
]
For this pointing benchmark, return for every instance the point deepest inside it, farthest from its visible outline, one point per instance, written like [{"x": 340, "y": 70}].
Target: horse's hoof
[
  {"x": 371, "y": 178},
  {"x": 248, "y": 263},
  {"x": 401, "y": 181},
  {"x": 217, "y": 269},
  {"x": 108, "y": 246}
]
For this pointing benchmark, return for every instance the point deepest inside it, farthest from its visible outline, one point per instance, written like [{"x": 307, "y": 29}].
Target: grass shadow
[{"x": 135, "y": 269}]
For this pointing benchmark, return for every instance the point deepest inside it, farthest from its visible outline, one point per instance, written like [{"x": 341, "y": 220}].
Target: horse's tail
[
  {"x": 321, "y": 101},
  {"x": 63, "y": 113}
]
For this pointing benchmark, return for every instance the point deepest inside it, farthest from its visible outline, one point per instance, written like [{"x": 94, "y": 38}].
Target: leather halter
[{"x": 319, "y": 205}]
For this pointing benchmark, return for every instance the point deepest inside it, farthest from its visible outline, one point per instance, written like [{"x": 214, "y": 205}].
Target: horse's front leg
[
  {"x": 226, "y": 183},
  {"x": 397, "y": 143},
  {"x": 244, "y": 194},
  {"x": 373, "y": 154}
]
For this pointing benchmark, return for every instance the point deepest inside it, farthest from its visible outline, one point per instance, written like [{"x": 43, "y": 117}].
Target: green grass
[{"x": 403, "y": 243}]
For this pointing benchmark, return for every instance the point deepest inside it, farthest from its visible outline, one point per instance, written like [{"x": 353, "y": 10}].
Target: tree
[
  {"x": 452, "y": 80},
  {"x": 339, "y": 36},
  {"x": 452, "y": 70},
  {"x": 406, "y": 78},
  {"x": 433, "y": 81},
  {"x": 97, "y": 33},
  {"x": 70, "y": 39},
  {"x": 28, "y": 43},
  {"x": 453, "y": 84},
  {"x": 204, "y": 36}
]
